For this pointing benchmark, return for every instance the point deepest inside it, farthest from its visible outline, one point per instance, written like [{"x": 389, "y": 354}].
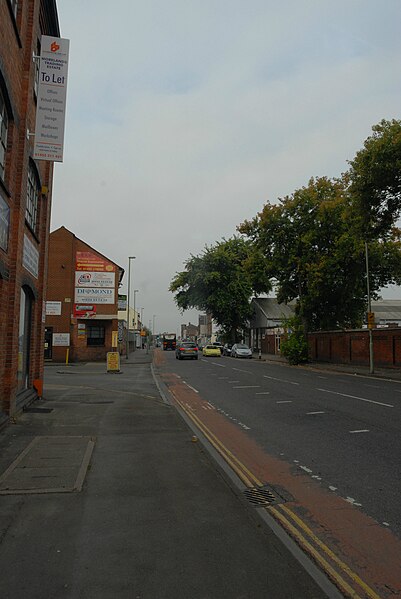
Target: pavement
[{"x": 105, "y": 493}]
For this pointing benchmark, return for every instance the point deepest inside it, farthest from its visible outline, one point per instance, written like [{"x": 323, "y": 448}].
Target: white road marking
[
  {"x": 263, "y": 393},
  {"x": 286, "y": 401},
  {"x": 239, "y": 370},
  {"x": 385, "y": 524},
  {"x": 193, "y": 389},
  {"x": 363, "y": 430},
  {"x": 308, "y": 413},
  {"x": 223, "y": 377},
  {"x": 281, "y": 380},
  {"x": 332, "y": 488},
  {"x": 247, "y": 387},
  {"x": 322, "y": 377},
  {"x": 353, "y": 501},
  {"x": 308, "y": 470},
  {"x": 379, "y": 403},
  {"x": 373, "y": 386},
  {"x": 211, "y": 405},
  {"x": 233, "y": 381},
  {"x": 177, "y": 375}
]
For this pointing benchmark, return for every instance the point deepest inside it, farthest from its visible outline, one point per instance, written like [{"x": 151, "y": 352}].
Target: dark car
[
  {"x": 227, "y": 349},
  {"x": 186, "y": 349}
]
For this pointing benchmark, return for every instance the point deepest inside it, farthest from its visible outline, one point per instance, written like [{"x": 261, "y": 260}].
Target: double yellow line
[{"x": 290, "y": 521}]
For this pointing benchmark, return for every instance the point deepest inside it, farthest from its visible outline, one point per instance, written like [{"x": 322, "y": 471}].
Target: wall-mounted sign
[
  {"x": 90, "y": 262},
  {"x": 4, "y": 224},
  {"x": 51, "y": 99},
  {"x": 61, "y": 339},
  {"x": 30, "y": 257},
  {"x": 53, "y": 308},
  {"x": 94, "y": 295},
  {"x": 122, "y": 302},
  {"x": 84, "y": 311},
  {"x": 95, "y": 279}
]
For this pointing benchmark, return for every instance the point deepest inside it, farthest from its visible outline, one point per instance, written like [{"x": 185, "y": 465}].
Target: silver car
[{"x": 240, "y": 350}]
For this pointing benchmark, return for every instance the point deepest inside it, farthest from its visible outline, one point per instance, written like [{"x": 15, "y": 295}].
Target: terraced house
[{"x": 25, "y": 202}]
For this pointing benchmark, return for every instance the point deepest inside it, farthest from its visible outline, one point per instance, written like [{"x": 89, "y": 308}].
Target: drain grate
[{"x": 262, "y": 496}]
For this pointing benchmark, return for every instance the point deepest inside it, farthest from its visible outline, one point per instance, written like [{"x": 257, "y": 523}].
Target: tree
[
  {"x": 221, "y": 282},
  {"x": 315, "y": 254},
  {"x": 375, "y": 180}
]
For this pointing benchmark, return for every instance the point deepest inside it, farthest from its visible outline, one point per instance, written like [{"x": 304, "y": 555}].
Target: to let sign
[{"x": 51, "y": 99}]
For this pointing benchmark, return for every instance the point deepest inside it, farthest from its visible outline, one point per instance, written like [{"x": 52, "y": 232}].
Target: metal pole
[
  {"x": 371, "y": 364},
  {"x": 135, "y": 319},
  {"x": 153, "y": 329},
  {"x": 129, "y": 283}
]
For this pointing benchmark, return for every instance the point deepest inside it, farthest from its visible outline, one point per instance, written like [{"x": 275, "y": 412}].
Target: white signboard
[
  {"x": 30, "y": 257},
  {"x": 61, "y": 339},
  {"x": 53, "y": 308},
  {"x": 94, "y": 295},
  {"x": 51, "y": 100},
  {"x": 95, "y": 279}
]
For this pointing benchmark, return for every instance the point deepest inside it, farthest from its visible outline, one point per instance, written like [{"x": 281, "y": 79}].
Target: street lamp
[
  {"x": 135, "y": 319},
  {"x": 129, "y": 284},
  {"x": 153, "y": 329}
]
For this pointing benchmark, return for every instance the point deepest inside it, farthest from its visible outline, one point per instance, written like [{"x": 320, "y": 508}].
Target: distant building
[
  {"x": 189, "y": 332},
  {"x": 81, "y": 302},
  {"x": 265, "y": 326},
  {"x": 205, "y": 325},
  {"x": 25, "y": 203}
]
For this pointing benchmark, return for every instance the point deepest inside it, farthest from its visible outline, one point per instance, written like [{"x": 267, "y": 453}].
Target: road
[{"x": 339, "y": 430}]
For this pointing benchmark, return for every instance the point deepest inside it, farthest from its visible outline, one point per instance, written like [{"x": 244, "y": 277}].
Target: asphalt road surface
[{"x": 342, "y": 430}]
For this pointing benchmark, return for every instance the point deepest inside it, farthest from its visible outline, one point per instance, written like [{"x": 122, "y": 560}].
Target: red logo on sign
[{"x": 54, "y": 47}]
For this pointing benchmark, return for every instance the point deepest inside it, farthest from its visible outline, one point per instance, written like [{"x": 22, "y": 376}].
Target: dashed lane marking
[
  {"x": 280, "y": 380},
  {"x": 363, "y": 430},
  {"x": 378, "y": 403}
]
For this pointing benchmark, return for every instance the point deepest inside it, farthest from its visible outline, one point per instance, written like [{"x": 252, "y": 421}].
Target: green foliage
[
  {"x": 294, "y": 346},
  {"x": 221, "y": 281},
  {"x": 375, "y": 180}
]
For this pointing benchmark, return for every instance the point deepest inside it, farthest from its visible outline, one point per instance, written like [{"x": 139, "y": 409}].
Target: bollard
[{"x": 260, "y": 354}]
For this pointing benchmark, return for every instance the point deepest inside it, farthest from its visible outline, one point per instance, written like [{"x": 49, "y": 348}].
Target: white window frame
[{"x": 32, "y": 198}]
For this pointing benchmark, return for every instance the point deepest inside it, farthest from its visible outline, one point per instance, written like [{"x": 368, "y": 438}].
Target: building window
[
  {"x": 24, "y": 339},
  {"x": 95, "y": 335},
  {"x": 3, "y": 135},
  {"x": 32, "y": 198}
]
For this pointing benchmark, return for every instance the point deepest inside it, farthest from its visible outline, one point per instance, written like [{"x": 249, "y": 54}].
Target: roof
[
  {"x": 272, "y": 309},
  {"x": 387, "y": 309}
]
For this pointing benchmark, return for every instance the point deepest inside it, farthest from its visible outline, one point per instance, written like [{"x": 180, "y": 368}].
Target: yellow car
[{"x": 211, "y": 350}]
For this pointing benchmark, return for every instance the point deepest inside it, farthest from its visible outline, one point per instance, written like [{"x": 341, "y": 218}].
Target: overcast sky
[{"x": 185, "y": 116}]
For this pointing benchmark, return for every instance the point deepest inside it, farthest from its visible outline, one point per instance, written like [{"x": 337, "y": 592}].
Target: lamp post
[
  {"x": 370, "y": 324},
  {"x": 135, "y": 319},
  {"x": 153, "y": 329},
  {"x": 129, "y": 283}
]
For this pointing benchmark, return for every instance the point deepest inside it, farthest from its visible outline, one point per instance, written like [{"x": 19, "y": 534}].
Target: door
[{"x": 48, "y": 343}]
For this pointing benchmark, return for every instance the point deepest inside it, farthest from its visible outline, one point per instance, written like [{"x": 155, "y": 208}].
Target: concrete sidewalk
[{"x": 104, "y": 495}]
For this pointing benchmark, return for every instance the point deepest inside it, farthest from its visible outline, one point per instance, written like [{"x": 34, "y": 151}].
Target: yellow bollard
[{"x": 67, "y": 353}]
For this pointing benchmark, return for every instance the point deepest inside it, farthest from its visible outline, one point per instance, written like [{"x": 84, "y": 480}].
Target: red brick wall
[
  {"x": 352, "y": 347},
  {"x": 18, "y": 41},
  {"x": 63, "y": 247}
]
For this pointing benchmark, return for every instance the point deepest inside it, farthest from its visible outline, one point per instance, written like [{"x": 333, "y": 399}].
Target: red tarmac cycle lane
[{"x": 368, "y": 556}]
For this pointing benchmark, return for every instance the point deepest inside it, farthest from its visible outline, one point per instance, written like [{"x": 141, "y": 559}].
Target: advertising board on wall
[
  {"x": 95, "y": 279},
  {"x": 30, "y": 257},
  {"x": 51, "y": 99},
  {"x": 94, "y": 295}
]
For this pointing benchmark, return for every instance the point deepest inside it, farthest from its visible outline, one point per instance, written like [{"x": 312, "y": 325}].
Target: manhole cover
[
  {"x": 262, "y": 496},
  {"x": 49, "y": 465}
]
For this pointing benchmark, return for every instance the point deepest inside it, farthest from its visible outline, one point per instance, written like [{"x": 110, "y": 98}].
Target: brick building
[
  {"x": 81, "y": 301},
  {"x": 25, "y": 203}
]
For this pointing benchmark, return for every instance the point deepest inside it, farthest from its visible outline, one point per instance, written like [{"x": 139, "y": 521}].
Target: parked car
[
  {"x": 211, "y": 350},
  {"x": 227, "y": 349},
  {"x": 219, "y": 345},
  {"x": 186, "y": 349},
  {"x": 240, "y": 350}
]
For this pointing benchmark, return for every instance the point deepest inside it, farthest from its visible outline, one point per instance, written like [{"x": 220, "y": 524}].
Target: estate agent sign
[{"x": 51, "y": 99}]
